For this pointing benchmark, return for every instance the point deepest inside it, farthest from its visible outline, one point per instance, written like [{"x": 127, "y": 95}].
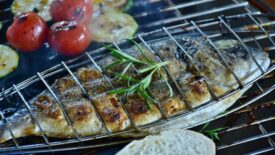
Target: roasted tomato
[
  {"x": 69, "y": 10},
  {"x": 27, "y": 32},
  {"x": 69, "y": 38}
]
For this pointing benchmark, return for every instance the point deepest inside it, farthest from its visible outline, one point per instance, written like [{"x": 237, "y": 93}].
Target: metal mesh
[{"x": 254, "y": 28}]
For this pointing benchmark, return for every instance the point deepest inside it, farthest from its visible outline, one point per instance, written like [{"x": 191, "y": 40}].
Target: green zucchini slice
[
  {"x": 112, "y": 26},
  {"x": 9, "y": 60}
]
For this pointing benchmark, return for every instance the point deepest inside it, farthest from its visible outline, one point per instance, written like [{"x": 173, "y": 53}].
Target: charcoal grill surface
[{"x": 238, "y": 137}]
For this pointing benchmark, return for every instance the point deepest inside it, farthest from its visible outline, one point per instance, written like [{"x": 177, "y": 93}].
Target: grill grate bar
[
  {"x": 262, "y": 28},
  {"x": 213, "y": 21},
  {"x": 192, "y": 62},
  {"x": 60, "y": 106},
  {"x": 246, "y": 140},
  {"x": 198, "y": 14},
  {"x": 241, "y": 41},
  {"x": 260, "y": 126},
  {"x": 218, "y": 53},
  {"x": 32, "y": 115},
  {"x": 86, "y": 94},
  {"x": 263, "y": 130},
  {"x": 184, "y": 5},
  {"x": 244, "y": 125},
  {"x": 10, "y": 131},
  {"x": 136, "y": 70},
  {"x": 261, "y": 151},
  {"x": 168, "y": 72},
  {"x": 113, "y": 87}
]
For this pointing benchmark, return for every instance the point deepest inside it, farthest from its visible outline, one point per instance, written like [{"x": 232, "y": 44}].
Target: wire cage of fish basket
[{"x": 250, "y": 28}]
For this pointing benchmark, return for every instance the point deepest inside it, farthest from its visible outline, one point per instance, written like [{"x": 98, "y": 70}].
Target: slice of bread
[{"x": 171, "y": 142}]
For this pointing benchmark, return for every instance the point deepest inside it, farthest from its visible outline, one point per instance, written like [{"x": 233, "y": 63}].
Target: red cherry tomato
[
  {"x": 28, "y": 32},
  {"x": 69, "y": 38},
  {"x": 69, "y": 10}
]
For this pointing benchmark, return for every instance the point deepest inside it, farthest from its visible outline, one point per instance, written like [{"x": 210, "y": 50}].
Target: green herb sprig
[
  {"x": 138, "y": 86},
  {"x": 213, "y": 133}
]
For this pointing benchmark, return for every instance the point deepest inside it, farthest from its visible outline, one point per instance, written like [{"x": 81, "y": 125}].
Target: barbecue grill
[{"x": 248, "y": 125}]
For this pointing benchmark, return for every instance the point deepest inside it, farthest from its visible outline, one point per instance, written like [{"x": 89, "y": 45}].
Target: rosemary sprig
[
  {"x": 135, "y": 85},
  {"x": 213, "y": 133}
]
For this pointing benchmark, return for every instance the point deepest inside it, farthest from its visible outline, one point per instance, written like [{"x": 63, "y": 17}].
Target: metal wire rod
[
  {"x": 9, "y": 129},
  {"x": 60, "y": 106},
  {"x": 243, "y": 44},
  {"x": 168, "y": 72},
  {"x": 197, "y": 14},
  {"x": 192, "y": 62},
  {"x": 112, "y": 85},
  {"x": 32, "y": 115},
  {"x": 261, "y": 27},
  {"x": 136, "y": 70},
  {"x": 86, "y": 94},
  {"x": 220, "y": 55}
]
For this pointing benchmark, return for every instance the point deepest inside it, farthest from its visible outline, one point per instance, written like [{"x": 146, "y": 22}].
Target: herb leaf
[
  {"x": 126, "y": 77},
  {"x": 121, "y": 55},
  {"x": 213, "y": 133},
  {"x": 126, "y": 68},
  {"x": 153, "y": 66},
  {"x": 140, "y": 49},
  {"x": 134, "y": 85},
  {"x": 119, "y": 91}
]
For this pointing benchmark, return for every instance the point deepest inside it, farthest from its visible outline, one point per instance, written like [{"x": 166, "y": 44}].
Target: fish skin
[{"x": 81, "y": 112}]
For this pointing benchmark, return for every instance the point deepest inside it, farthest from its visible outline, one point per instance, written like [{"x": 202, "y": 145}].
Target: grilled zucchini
[
  {"x": 9, "y": 60},
  {"x": 116, "y": 4},
  {"x": 112, "y": 26},
  {"x": 40, "y": 6}
]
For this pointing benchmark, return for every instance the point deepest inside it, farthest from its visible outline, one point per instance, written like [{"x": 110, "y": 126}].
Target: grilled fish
[{"x": 197, "y": 70}]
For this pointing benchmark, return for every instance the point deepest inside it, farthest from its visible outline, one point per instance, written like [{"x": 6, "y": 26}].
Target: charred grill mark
[
  {"x": 113, "y": 115},
  {"x": 172, "y": 105},
  {"x": 97, "y": 87},
  {"x": 64, "y": 84},
  {"x": 86, "y": 75},
  {"x": 197, "y": 87},
  {"x": 198, "y": 78},
  {"x": 43, "y": 102},
  {"x": 22, "y": 18},
  {"x": 252, "y": 117},
  {"x": 64, "y": 26},
  {"x": 256, "y": 107},
  {"x": 79, "y": 112},
  {"x": 197, "y": 84},
  {"x": 138, "y": 107},
  {"x": 114, "y": 102},
  {"x": 54, "y": 113}
]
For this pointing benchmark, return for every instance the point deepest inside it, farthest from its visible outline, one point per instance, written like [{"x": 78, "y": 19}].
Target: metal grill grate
[{"x": 254, "y": 29}]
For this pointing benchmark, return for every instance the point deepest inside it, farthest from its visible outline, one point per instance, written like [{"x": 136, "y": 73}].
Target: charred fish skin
[
  {"x": 193, "y": 86},
  {"x": 108, "y": 106}
]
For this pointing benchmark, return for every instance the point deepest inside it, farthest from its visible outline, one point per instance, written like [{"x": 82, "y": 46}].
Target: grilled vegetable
[
  {"x": 110, "y": 4},
  {"x": 193, "y": 90},
  {"x": 9, "y": 60},
  {"x": 69, "y": 10},
  {"x": 40, "y": 6},
  {"x": 112, "y": 26},
  {"x": 69, "y": 38},
  {"x": 27, "y": 32}
]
